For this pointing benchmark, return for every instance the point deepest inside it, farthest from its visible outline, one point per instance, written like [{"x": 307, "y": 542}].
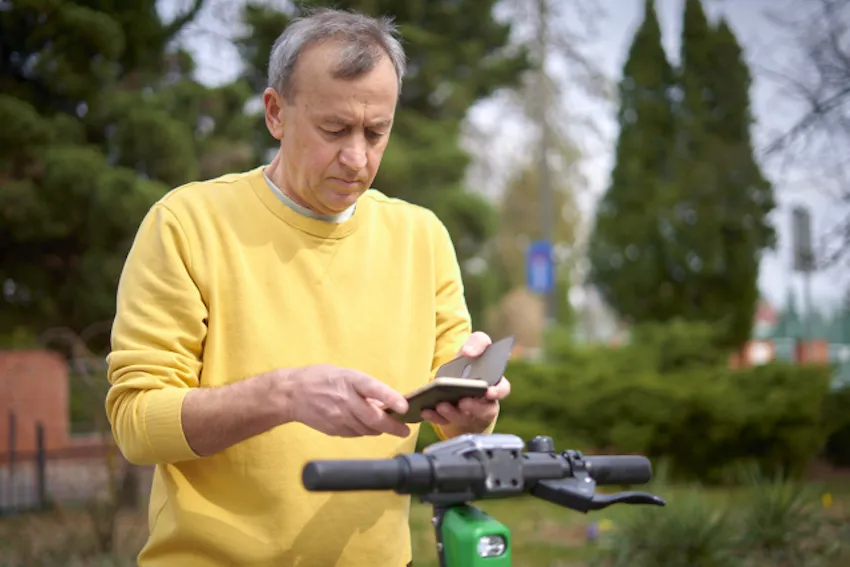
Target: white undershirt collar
[{"x": 337, "y": 218}]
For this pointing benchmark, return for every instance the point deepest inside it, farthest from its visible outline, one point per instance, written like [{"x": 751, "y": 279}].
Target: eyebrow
[{"x": 385, "y": 123}]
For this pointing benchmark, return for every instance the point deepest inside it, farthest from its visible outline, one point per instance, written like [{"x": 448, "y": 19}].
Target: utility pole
[{"x": 546, "y": 200}]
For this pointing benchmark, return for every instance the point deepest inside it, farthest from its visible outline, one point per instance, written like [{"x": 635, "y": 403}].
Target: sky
[{"x": 765, "y": 46}]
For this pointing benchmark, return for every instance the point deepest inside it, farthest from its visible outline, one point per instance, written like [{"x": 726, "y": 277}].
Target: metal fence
[
  {"x": 834, "y": 327},
  {"x": 839, "y": 356},
  {"x": 43, "y": 478}
]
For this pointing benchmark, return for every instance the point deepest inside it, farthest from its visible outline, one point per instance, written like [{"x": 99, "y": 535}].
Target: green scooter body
[{"x": 462, "y": 531}]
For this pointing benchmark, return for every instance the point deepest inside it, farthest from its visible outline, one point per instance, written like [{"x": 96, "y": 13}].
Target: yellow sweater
[{"x": 225, "y": 282}]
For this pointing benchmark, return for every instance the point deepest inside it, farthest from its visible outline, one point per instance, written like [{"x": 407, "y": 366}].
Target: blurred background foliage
[
  {"x": 102, "y": 115},
  {"x": 656, "y": 290}
]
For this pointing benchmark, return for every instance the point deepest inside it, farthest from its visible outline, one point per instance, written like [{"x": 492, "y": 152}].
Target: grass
[{"x": 544, "y": 535}]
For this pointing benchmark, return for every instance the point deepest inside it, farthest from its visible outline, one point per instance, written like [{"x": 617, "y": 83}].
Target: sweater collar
[{"x": 317, "y": 227}]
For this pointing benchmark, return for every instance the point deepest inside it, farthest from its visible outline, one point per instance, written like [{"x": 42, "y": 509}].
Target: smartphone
[
  {"x": 439, "y": 390},
  {"x": 490, "y": 366},
  {"x": 461, "y": 377}
]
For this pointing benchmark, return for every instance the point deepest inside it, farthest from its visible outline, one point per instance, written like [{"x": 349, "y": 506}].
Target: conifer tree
[
  {"x": 684, "y": 237},
  {"x": 724, "y": 200},
  {"x": 628, "y": 246},
  {"x": 100, "y": 117}
]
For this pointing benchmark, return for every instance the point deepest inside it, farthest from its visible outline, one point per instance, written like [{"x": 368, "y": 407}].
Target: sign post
[{"x": 804, "y": 257}]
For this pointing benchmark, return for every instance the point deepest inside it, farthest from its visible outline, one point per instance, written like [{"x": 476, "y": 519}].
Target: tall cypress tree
[
  {"x": 628, "y": 247},
  {"x": 700, "y": 266},
  {"x": 681, "y": 231},
  {"x": 720, "y": 219}
]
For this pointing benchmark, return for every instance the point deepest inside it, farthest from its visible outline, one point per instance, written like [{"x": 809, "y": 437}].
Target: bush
[
  {"x": 768, "y": 523},
  {"x": 664, "y": 395},
  {"x": 838, "y": 426},
  {"x": 687, "y": 533},
  {"x": 781, "y": 524}
]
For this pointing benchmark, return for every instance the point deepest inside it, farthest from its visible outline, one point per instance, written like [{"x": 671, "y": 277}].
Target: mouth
[{"x": 350, "y": 184}]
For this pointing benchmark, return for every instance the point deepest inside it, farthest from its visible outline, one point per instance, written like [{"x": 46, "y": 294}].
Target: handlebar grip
[
  {"x": 385, "y": 474},
  {"x": 619, "y": 469}
]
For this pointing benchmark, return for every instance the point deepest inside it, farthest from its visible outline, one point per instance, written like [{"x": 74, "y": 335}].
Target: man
[{"x": 264, "y": 318}]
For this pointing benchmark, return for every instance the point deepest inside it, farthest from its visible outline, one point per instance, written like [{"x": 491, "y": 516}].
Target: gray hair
[{"x": 364, "y": 39}]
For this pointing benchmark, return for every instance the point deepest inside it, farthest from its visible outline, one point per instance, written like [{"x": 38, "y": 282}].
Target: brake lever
[
  {"x": 600, "y": 501},
  {"x": 570, "y": 494}
]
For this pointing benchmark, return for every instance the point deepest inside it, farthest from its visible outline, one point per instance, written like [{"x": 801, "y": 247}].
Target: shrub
[
  {"x": 679, "y": 345},
  {"x": 768, "y": 523},
  {"x": 838, "y": 427},
  {"x": 781, "y": 524},
  {"x": 686, "y": 533},
  {"x": 664, "y": 396},
  {"x": 670, "y": 393},
  {"x": 705, "y": 420}
]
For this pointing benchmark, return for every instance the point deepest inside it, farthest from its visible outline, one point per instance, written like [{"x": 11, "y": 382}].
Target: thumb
[{"x": 370, "y": 387}]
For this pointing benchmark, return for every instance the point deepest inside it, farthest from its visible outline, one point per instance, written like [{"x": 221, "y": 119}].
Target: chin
[{"x": 339, "y": 202}]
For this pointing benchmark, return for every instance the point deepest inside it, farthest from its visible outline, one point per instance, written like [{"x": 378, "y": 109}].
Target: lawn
[{"x": 544, "y": 535}]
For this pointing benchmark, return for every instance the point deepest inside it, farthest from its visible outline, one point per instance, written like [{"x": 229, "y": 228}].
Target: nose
[{"x": 353, "y": 155}]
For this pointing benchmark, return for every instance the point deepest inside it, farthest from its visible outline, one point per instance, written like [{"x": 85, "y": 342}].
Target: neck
[{"x": 275, "y": 173}]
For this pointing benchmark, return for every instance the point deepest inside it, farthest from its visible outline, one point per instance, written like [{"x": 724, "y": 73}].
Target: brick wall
[
  {"x": 762, "y": 351},
  {"x": 34, "y": 385},
  {"x": 813, "y": 352}
]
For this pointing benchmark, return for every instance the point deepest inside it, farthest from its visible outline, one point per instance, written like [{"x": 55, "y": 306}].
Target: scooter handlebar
[
  {"x": 418, "y": 473},
  {"x": 619, "y": 469},
  {"x": 342, "y": 475}
]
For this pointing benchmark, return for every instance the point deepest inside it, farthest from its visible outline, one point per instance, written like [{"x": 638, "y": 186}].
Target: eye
[
  {"x": 375, "y": 135},
  {"x": 334, "y": 132}
]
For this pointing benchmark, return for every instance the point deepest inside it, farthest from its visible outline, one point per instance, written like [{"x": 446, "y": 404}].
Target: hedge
[{"x": 671, "y": 395}]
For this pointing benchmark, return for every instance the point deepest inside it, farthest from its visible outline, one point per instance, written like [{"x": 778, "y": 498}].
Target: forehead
[{"x": 316, "y": 87}]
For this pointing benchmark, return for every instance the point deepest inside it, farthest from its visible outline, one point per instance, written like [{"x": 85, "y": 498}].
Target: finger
[
  {"x": 475, "y": 408},
  {"x": 392, "y": 426},
  {"x": 500, "y": 391},
  {"x": 476, "y": 344},
  {"x": 434, "y": 417},
  {"x": 376, "y": 420},
  {"x": 483, "y": 412},
  {"x": 359, "y": 427},
  {"x": 369, "y": 387},
  {"x": 453, "y": 415}
]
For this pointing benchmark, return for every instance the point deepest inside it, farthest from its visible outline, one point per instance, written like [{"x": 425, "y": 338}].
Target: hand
[
  {"x": 471, "y": 415},
  {"x": 344, "y": 403}
]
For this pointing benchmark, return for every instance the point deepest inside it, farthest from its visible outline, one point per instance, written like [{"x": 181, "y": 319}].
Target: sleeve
[
  {"x": 157, "y": 339},
  {"x": 454, "y": 324}
]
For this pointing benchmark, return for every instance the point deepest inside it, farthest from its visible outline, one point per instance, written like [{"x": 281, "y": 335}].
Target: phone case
[
  {"x": 490, "y": 366},
  {"x": 450, "y": 390}
]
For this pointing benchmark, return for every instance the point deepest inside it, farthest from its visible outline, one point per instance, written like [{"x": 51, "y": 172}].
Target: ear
[{"x": 274, "y": 105}]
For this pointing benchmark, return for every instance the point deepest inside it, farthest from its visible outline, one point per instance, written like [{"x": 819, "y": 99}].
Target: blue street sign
[{"x": 539, "y": 269}]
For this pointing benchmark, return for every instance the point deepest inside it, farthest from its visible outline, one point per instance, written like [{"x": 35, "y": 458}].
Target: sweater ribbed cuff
[{"x": 164, "y": 425}]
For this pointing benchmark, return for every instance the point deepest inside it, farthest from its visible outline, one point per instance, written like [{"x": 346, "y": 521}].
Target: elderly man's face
[{"x": 333, "y": 134}]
